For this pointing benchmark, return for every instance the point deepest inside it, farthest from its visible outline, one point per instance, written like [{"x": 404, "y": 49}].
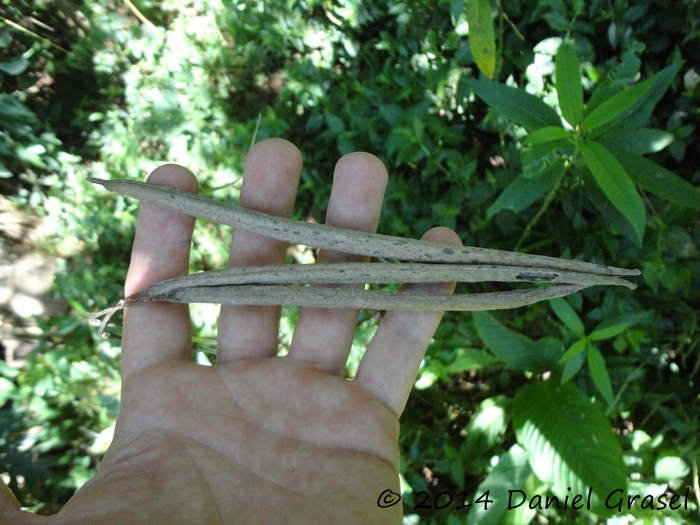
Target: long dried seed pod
[
  {"x": 375, "y": 273},
  {"x": 352, "y": 298},
  {"x": 323, "y": 297},
  {"x": 341, "y": 239},
  {"x": 270, "y": 284}
]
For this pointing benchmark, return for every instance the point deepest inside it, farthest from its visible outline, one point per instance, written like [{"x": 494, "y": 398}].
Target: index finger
[{"x": 157, "y": 332}]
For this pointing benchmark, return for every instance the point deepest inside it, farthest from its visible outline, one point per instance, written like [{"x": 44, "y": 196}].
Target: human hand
[{"x": 256, "y": 438}]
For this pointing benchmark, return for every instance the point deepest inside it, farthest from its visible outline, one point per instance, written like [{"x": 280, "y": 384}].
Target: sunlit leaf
[
  {"x": 643, "y": 140},
  {"x": 482, "y": 37},
  {"x": 486, "y": 426},
  {"x": 510, "y": 473},
  {"x": 669, "y": 468},
  {"x": 568, "y": 84},
  {"x": 569, "y": 442}
]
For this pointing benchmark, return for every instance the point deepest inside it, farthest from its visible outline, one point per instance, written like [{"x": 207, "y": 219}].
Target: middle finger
[
  {"x": 323, "y": 336},
  {"x": 270, "y": 180}
]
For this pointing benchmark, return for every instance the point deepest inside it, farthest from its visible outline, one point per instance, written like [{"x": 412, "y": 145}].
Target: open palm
[{"x": 256, "y": 438}]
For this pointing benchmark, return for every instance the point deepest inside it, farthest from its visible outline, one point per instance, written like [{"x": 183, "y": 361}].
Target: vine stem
[{"x": 540, "y": 212}]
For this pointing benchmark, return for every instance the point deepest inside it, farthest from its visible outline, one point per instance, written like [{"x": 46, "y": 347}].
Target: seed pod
[{"x": 433, "y": 262}]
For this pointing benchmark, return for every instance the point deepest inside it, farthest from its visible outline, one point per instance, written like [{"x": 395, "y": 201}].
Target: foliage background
[{"x": 99, "y": 88}]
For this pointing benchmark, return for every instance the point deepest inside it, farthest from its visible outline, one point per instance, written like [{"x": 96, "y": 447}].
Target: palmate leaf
[
  {"x": 516, "y": 104},
  {"x": 568, "y": 84},
  {"x": 482, "y": 37},
  {"x": 615, "y": 183},
  {"x": 569, "y": 442}
]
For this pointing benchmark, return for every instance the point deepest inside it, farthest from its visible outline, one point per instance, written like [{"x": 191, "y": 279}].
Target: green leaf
[
  {"x": 615, "y": 183},
  {"x": 569, "y": 442},
  {"x": 632, "y": 107},
  {"x": 514, "y": 349},
  {"x": 523, "y": 191},
  {"x": 599, "y": 373},
  {"x": 675, "y": 278},
  {"x": 568, "y": 84},
  {"x": 482, "y": 37},
  {"x": 486, "y": 427},
  {"x": 609, "y": 331},
  {"x": 510, "y": 473},
  {"x": 469, "y": 359},
  {"x": 640, "y": 113},
  {"x": 641, "y": 141},
  {"x": 392, "y": 113},
  {"x": 670, "y": 468},
  {"x": 7, "y": 387},
  {"x": 335, "y": 123},
  {"x": 546, "y": 134},
  {"x": 7, "y": 371},
  {"x": 13, "y": 109},
  {"x": 568, "y": 316},
  {"x": 610, "y": 214},
  {"x": 575, "y": 349},
  {"x": 649, "y": 175},
  {"x": 15, "y": 67},
  {"x": 614, "y": 106},
  {"x": 516, "y": 104},
  {"x": 572, "y": 367},
  {"x": 536, "y": 158}
]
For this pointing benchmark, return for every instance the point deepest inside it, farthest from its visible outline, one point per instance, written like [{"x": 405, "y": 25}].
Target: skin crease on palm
[{"x": 256, "y": 439}]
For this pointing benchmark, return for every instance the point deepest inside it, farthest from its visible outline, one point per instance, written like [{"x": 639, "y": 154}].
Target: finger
[
  {"x": 323, "y": 336},
  {"x": 157, "y": 332},
  {"x": 270, "y": 181},
  {"x": 390, "y": 364}
]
